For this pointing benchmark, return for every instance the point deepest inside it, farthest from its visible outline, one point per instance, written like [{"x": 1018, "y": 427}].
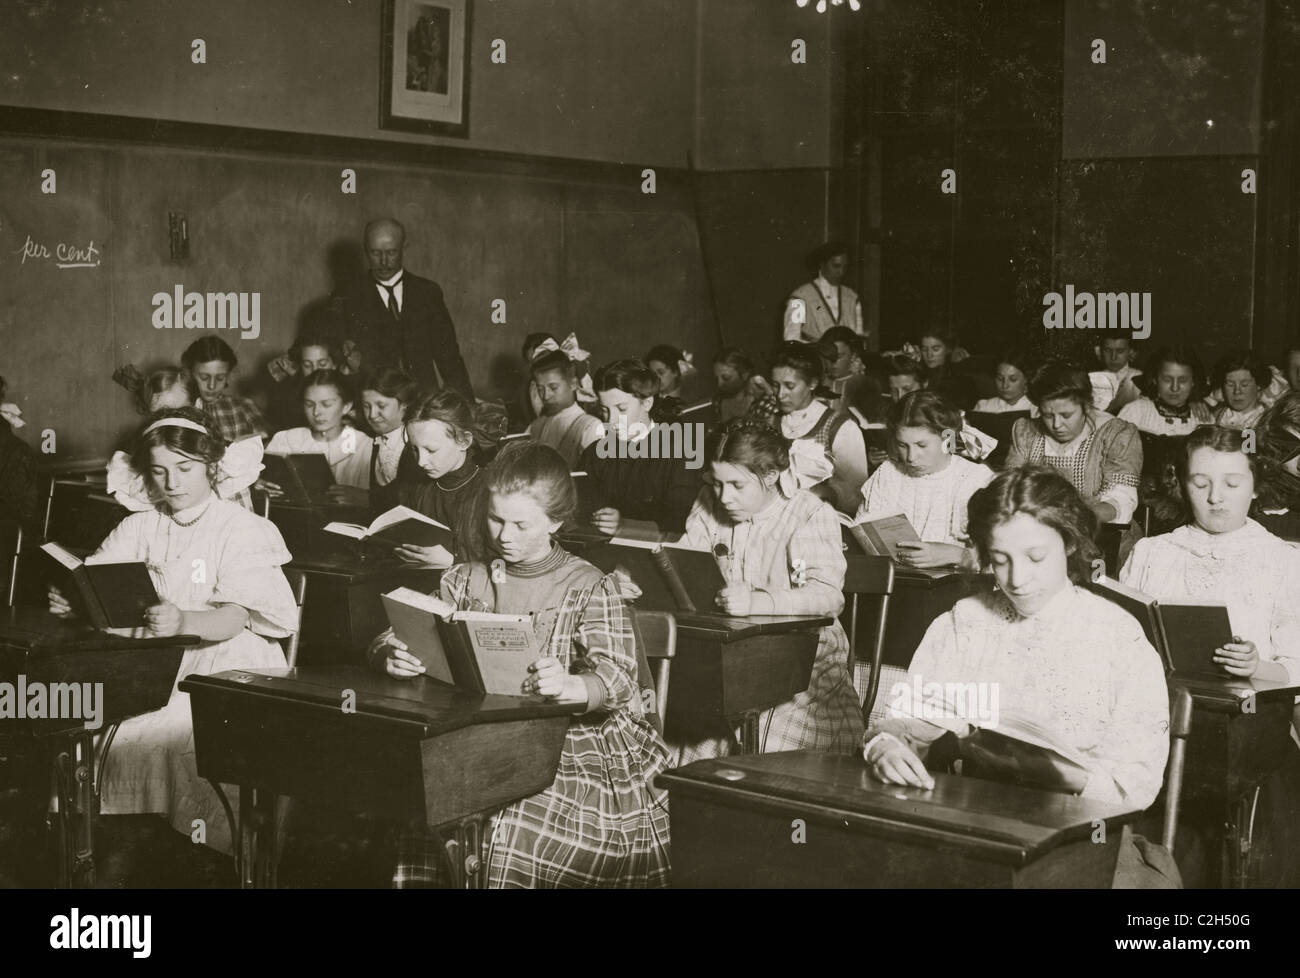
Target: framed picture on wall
[{"x": 424, "y": 79}]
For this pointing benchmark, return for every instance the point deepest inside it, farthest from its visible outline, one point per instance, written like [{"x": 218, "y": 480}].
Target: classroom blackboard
[{"x": 620, "y": 267}]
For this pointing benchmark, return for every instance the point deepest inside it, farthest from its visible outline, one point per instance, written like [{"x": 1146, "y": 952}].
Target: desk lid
[
  {"x": 432, "y": 706},
  {"x": 727, "y": 628},
  {"x": 1012, "y": 823},
  {"x": 36, "y": 630}
]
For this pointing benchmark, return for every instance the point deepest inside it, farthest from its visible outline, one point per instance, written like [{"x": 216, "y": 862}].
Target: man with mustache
[{"x": 399, "y": 319}]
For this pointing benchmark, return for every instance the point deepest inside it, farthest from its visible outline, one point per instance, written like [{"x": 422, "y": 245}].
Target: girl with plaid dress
[
  {"x": 602, "y": 822},
  {"x": 780, "y": 549}
]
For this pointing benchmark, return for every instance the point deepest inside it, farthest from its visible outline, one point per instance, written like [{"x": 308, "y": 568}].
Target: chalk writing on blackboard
[{"x": 64, "y": 255}]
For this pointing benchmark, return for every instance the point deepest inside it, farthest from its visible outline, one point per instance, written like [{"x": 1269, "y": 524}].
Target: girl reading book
[
  {"x": 1099, "y": 454},
  {"x": 1225, "y": 557},
  {"x": 216, "y": 568},
  {"x": 386, "y": 395},
  {"x": 628, "y": 481},
  {"x": 926, "y": 481},
  {"x": 602, "y": 823},
  {"x": 446, "y": 432},
  {"x": 779, "y": 548},
  {"x": 326, "y": 401},
  {"x": 1076, "y": 663}
]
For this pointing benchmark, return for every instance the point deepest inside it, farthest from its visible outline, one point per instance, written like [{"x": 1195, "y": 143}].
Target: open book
[
  {"x": 476, "y": 651},
  {"x": 880, "y": 536},
  {"x": 1004, "y": 745},
  {"x": 670, "y": 576},
  {"x": 303, "y": 477},
  {"x": 1185, "y": 635},
  {"x": 114, "y": 595},
  {"x": 400, "y": 525},
  {"x": 1022, "y": 750}
]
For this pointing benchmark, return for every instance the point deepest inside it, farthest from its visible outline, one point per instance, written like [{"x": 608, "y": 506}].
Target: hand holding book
[
  {"x": 398, "y": 660},
  {"x": 437, "y": 556},
  {"x": 925, "y": 555},
  {"x": 548, "y": 677},
  {"x": 1238, "y": 657}
]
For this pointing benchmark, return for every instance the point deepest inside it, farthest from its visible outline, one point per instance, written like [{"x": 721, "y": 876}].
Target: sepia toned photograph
[{"x": 713, "y": 447}]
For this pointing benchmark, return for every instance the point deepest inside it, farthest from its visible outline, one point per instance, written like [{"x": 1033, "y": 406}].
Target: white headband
[{"x": 177, "y": 423}]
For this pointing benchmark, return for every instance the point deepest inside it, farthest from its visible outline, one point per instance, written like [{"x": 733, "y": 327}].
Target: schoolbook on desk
[
  {"x": 1185, "y": 635},
  {"x": 1011, "y": 746},
  {"x": 399, "y": 526},
  {"x": 114, "y": 595},
  {"x": 476, "y": 651},
  {"x": 670, "y": 576},
  {"x": 303, "y": 477},
  {"x": 880, "y": 536}
]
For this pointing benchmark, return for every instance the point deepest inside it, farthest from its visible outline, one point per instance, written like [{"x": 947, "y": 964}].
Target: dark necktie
[{"x": 392, "y": 297}]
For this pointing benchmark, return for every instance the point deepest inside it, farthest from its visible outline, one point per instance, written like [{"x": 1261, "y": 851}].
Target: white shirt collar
[{"x": 391, "y": 279}]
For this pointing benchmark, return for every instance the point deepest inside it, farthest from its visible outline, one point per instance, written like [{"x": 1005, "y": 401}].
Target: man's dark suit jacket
[{"x": 424, "y": 336}]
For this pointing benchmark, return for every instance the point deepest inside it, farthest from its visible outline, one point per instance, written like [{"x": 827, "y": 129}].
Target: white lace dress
[{"x": 229, "y": 556}]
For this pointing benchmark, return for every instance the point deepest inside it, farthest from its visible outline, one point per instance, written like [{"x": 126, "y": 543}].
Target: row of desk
[{"x": 397, "y": 756}]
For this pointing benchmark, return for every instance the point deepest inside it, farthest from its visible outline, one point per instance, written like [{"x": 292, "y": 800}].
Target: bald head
[{"x": 385, "y": 239}]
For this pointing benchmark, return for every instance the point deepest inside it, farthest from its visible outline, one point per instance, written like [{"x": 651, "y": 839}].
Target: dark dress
[
  {"x": 19, "y": 482},
  {"x": 441, "y": 499},
  {"x": 658, "y": 489}
]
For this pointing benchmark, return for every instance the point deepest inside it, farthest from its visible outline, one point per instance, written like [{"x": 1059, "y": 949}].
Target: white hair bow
[
  {"x": 238, "y": 469},
  {"x": 809, "y": 466},
  {"x": 569, "y": 348},
  {"x": 13, "y": 414}
]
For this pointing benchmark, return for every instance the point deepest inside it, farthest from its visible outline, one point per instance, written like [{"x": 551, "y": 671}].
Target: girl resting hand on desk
[
  {"x": 1071, "y": 660},
  {"x": 216, "y": 567},
  {"x": 602, "y": 823},
  {"x": 779, "y": 548},
  {"x": 926, "y": 482}
]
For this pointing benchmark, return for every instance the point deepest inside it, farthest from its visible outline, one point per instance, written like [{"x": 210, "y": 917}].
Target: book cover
[
  {"x": 302, "y": 477},
  {"x": 693, "y": 577},
  {"x": 414, "y": 617},
  {"x": 480, "y": 652},
  {"x": 504, "y": 646},
  {"x": 1193, "y": 632},
  {"x": 880, "y": 536},
  {"x": 113, "y": 595}
]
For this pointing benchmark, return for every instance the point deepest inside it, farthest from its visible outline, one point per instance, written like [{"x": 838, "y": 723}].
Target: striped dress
[
  {"x": 766, "y": 552},
  {"x": 602, "y": 823}
]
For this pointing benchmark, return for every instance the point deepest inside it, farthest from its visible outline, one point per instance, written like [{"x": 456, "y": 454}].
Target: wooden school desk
[
  {"x": 138, "y": 675},
  {"x": 343, "y": 611},
  {"x": 920, "y": 596},
  {"x": 733, "y": 825},
  {"x": 412, "y": 749},
  {"x": 732, "y": 669},
  {"x": 1230, "y": 753}
]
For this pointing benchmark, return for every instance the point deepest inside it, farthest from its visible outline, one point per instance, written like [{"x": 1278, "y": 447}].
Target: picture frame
[{"x": 424, "y": 66}]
